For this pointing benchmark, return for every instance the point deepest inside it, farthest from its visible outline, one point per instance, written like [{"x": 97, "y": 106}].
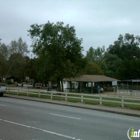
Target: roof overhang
[{"x": 91, "y": 78}]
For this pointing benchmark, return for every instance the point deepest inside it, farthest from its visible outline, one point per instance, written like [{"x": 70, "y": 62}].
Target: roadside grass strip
[{"x": 87, "y": 99}]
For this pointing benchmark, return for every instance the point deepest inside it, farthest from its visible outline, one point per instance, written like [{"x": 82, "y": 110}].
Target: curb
[{"x": 111, "y": 110}]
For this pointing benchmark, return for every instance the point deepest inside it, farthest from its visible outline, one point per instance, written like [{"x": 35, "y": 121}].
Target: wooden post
[
  {"x": 17, "y": 91},
  {"x": 122, "y": 102},
  {"x": 66, "y": 96},
  {"x": 81, "y": 97},
  {"x": 100, "y": 100},
  {"x": 27, "y": 92},
  {"x": 51, "y": 95},
  {"x": 39, "y": 93}
]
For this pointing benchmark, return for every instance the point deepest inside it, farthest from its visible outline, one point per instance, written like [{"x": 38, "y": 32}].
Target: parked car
[{"x": 2, "y": 90}]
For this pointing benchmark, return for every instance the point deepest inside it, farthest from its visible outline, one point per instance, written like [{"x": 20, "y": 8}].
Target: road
[{"x": 30, "y": 120}]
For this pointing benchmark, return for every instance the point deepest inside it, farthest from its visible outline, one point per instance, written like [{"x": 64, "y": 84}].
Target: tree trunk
[
  {"x": 58, "y": 84},
  {"x": 62, "y": 88}
]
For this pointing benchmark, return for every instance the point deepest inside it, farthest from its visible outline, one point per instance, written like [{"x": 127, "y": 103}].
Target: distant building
[
  {"x": 9, "y": 79},
  {"x": 90, "y": 83}
]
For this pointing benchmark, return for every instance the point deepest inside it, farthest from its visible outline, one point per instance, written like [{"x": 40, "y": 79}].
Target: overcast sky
[{"x": 98, "y": 22}]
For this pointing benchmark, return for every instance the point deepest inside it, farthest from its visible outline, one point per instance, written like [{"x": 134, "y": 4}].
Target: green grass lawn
[
  {"x": 74, "y": 100},
  {"x": 113, "y": 99},
  {"x": 45, "y": 96},
  {"x": 135, "y": 107},
  {"x": 91, "y": 102},
  {"x": 33, "y": 95},
  {"x": 132, "y": 101},
  {"x": 59, "y": 98},
  {"x": 87, "y": 100}
]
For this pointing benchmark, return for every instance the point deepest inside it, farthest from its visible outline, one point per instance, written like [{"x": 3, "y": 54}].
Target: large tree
[
  {"x": 18, "y": 50},
  {"x": 123, "y": 57},
  {"x": 17, "y": 65},
  {"x": 3, "y": 60},
  {"x": 59, "y": 51},
  {"x": 113, "y": 65},
  {"x": 93, "y": 69},
  {"x": 31, "y": 67},
  {"x": 3, "y": 67},
  {"x": 4, "y": 50},
  {"x": 18, "y": 46},
  {"x": 126, "y": 47},
  {"x": 95, "y": 55},
  {"x": 95, "y": 58}
]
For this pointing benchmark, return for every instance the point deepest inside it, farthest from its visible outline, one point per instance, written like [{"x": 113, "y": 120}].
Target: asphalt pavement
[{"x": 38, "y": 120}]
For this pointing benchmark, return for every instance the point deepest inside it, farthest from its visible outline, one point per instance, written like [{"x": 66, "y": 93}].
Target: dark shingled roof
[{"x": 91, "y": 78}]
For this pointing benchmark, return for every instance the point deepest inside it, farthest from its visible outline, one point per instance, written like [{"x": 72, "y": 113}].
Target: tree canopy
[
  {"x": 126, "y": 47},
  {"x": 59, "y": 55},
  {"x": 123, "y": 57},
  {"x": 95, "y": 58},
  {"x": 58, "y": 49},
  {"x": 13, "y": 59},
  {"x": 121, "y": 60}
]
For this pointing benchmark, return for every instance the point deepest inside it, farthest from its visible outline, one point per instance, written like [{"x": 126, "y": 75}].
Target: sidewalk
[{"x": 117, "y": 110}]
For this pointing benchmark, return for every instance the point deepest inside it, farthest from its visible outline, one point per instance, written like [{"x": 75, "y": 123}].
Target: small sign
[{"x": 114, "y": 83}]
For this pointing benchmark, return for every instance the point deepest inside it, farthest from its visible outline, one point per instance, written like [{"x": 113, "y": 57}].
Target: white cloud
[{"x": 98, "y": 22}]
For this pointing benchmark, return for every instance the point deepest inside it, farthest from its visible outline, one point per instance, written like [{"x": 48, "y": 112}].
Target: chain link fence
[{"x": 128, "y": 89}]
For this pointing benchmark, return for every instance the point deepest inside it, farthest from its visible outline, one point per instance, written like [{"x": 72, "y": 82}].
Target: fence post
[
  {"x": 122, "y": 102},
  {"x": 39, "y": 93},
  {"x": 66, "y": 96},
  {"x": 81, "y": 97},
  {"x": 9, "y": 90},
  {"x": 27, "y": 92},
  {"x": 17, "y": 91},
  {"x": 51, "y": 95},
  {"x": 100, "y": 100}
]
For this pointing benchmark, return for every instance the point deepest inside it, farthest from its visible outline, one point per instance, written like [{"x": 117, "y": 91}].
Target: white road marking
[
  {"x": 43, "y": 130},
  {"x": 2, "y": 105},
  {"x": 65, "y": 116}
]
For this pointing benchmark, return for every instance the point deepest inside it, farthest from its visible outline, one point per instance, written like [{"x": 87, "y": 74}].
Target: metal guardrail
[{"x": 80, "y": 96}]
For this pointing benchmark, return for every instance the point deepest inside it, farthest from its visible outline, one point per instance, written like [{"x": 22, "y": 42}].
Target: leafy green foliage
[
  {"x": 58, "y": 49},
  {"x": 95, "y": 57},
  {"x": 59, "y": 55},
  {"x": 13, "y": 59},
  {"x": 3, "y": 60},
  {"x": 17, "y": 64},
  {"x": 123, "y": 57},
  {"x": 31, "y": 67},
  {"x": 19, "y": 47},
  {"x": 126, "y": 47},
  {"x": 113, "y": 64},
  {"x": 93, "y": 69},
  {"x": 4, "y": 52}
]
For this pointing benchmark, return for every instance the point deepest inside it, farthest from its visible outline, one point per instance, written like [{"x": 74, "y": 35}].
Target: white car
[{"x": 2, "y": 90}]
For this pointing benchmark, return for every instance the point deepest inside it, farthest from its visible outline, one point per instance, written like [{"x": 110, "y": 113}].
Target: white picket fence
[{"x": 79, "y": 96}]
